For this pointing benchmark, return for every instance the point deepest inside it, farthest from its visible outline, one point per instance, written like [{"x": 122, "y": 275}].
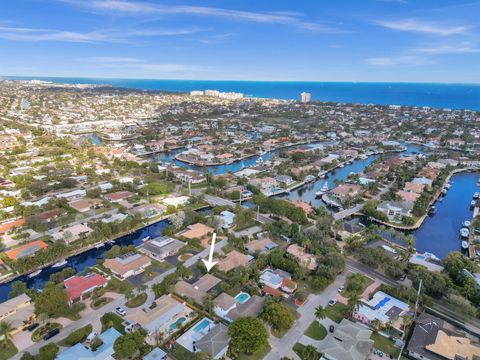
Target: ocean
[{"x": 451, "y": 96}]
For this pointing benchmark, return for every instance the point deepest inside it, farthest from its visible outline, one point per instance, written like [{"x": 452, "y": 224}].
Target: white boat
[
  {"x": 259, "y": 160},
  {"x": 466, "y": 224},
  {"x": 341, "y": 165},
  {"x": 473, "y": 203},
  {"x": 431, "y": 256},
  {"x": 59, "y": 264},
  {"x": 98, "y": 246},
  {"x": 32, "y": 275},
  {"x": 448, "y": 186},
  {"x": 323, "y": 190},
  {"x": 464, "y": 233},
  {"x": 476, "y": 195},
  {"x": 146, "y": 238},
  {"x": 111, "y": 242},
  {"x": 464, "y": 245},
  {"x": 478, "y": 182}
]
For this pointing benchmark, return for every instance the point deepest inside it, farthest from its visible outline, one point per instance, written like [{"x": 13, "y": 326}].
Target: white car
[
  {"x": 120, "y": 311},
  {"x": 91, "y": 336},
  {"x": 332, "y": 302},
  {"x": 341, "y": 288}
]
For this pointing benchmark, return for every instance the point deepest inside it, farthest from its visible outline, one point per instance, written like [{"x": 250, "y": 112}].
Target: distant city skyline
[{"x": 367, "y": 41}]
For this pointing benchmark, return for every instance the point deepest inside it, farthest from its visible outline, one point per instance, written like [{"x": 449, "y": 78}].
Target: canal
[
  {"x": 87, "y": 259},
  {"x": 439, "y": 234}
]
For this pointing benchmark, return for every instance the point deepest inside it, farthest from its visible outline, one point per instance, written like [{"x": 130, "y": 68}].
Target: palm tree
[
  {"x": 42, "y": 318},
  {"x": 320, "y": 312},
  {"x": 5, "y": 332},
  {"x": 354, "y": 302}
]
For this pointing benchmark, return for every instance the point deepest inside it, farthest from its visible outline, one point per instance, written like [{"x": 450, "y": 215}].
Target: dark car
[
  {"x": 51, "y": 334},
  {"x": 31, "y": 327},
  {"x": 331, "y": 328},
  {"x": 403, "y": 277}
]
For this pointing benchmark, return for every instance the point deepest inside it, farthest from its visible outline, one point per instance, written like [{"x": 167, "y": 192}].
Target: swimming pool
[
  {"x": 177, "y": 323},
  {"x": 420, "y": 257},
  {"x": 202, "y": 325},
  {"x": 242, "y": 297}
]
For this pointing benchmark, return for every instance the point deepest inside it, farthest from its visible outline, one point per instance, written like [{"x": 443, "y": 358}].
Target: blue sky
[{"x": 308, "y": 40}]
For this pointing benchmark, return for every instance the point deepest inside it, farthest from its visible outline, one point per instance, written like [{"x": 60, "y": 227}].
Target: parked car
[
  {"x": 132, "y": 327},
  {"x": 91, "y": 336},
  {"x": 403, "y": 277},
  {"x": 120, "y": 311},
  {"x": 341, "y": 288},
  {"x": 332, "y": 302},
  {"x": 51, "y": 334},
  {"x": 331, "y": 328},
  {"x": 31, "y": 327},
  {"x": 378, "y": 352}
]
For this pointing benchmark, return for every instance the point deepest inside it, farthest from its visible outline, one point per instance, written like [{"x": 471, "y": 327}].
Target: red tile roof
[
  {"x": 6, "y": 226},
  {"x": 26, "y": 250},
  {"x": 76, "y": 286}
]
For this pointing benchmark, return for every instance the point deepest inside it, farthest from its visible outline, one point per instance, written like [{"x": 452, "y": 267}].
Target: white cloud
[
  {"x": 449, "y": 49},
  {"x": 145, "y": 8},
  {"x": 39, "y": 34},
  {"x": 409, "y": 60},
  {"x": 424, "y": 27}
]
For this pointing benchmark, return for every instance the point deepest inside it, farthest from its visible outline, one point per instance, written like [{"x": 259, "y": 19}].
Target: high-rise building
[
  {"x": 25, "y": 104},
  {"x": 305, "y": 97}
]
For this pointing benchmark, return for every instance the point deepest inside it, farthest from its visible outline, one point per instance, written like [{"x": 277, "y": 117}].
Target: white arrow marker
[{"x": 209, "y": 264}]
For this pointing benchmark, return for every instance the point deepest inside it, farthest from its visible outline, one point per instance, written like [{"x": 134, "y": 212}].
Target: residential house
[
  {"x": 233, "y": 260},
  {"x": 118, "y": 196},
  {"x": 78, "y": 286},
  {"x": 127, "y": 265},
  {"x": 284, "y": 180},
  {"x": 395, "y": 210},
  {"x": 72, "y": 195},
  {"x": 177, "y": 201},
  {"x": 277, "y": 283},
  {"x": 167, "y": 311},
  {"x": 435, "y": 339},
  {"x": 72, "y": 233},
  {"x": 307, "y": 208},
  {"x": 263, "y": 245},
  {"x": 307, "y": 260},
  {"x": 346, "y": 190},
  {"x": 215, "y": 342},
  {"x": 85, "y": 205},
  {"x": 383, "y": 308},
  {"x": 197, "y": 231},
  {"x": 26, "y": 250},
  {"x": 45, "y": 216},
  {"x": 199, "y": 289},
  {"x": 18, "y": 311},
  {"x": 349, "y": 340},
  {"x": 227, "y": 219},
  {"x": 104, "y": 352},
  {"x": 161, "y": 247},
  {"x": 407, "y": 196},
  {"x": 230, "y": 308}
]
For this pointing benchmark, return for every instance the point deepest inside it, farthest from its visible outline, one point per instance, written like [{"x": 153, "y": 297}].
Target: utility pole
[
  {"x": 258, "y": 213},
  {"x": 418, "y": 299},
  {"x": 189, "y": 187},
  {"x": 241, "y": 198}
]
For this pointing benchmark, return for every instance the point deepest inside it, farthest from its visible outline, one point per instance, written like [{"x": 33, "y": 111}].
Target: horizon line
[{"x": 30, "y": 77}]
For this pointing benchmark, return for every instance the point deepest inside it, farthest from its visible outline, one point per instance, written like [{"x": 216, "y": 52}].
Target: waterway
[
  {"x": 87, "y": 259},
  {"x": 235, "y": 166},
  {"x": 439, "y": 234}
]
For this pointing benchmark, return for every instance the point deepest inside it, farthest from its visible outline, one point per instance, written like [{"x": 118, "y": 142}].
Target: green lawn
[
  {"x": 97, "y": 304},
  {"x": 76, "y": 336},
  {"x": 259, "y": 355},
  {"x": 137, "y": 301},
  {"x": 336, "y": 312},
  {"x": 120, "y": 287},
  {"x": 180, "y": 353},
  {"x": 316, "y": 331},
  {"x": 8, "y": 351},
  {"x": 43, "y": 330},
  {"x": 385, "y": 344},
  {"x": 356, "y": 283},
  {"x": 112, "y": 320},
  {"x": 299, "y": 350}
]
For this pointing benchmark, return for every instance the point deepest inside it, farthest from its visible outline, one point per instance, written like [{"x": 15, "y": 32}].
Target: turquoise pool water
[
  {"x": 242, "y": 297},
  {"x": 177, "y": 323},
  {"x": 203, "y": 324}
]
